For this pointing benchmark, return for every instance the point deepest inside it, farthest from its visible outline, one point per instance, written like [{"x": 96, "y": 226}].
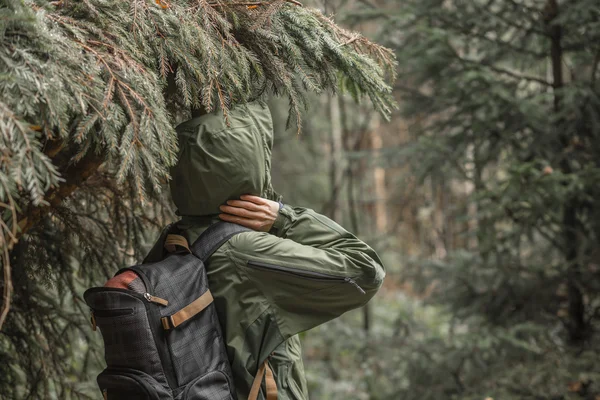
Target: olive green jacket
[{"x": 268, "y": 287}]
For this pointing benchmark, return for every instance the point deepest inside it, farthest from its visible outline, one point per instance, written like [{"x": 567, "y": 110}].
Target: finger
[
  {"x": 234, "y": 218},
  {"x": 248, "y": 223},
  {"x": 244, "y": 204},
  {"x": 253, "y": 199},
  {"x": 240, "y": 212}
]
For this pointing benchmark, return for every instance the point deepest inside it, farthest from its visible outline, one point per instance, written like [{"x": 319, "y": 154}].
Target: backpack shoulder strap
[
  {"x": 157, "y": 252},
  {"x": 214, "y": 237}
]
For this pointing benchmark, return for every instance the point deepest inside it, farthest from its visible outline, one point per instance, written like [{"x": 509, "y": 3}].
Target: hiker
[{"x": 296, "y": 270}]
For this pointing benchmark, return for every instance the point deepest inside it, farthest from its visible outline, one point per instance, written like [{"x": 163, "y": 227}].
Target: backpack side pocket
[
  {"x": 212, "y": 386},
  {"x": 130, "y": 384},
  {"x": 129, "y": 331}
]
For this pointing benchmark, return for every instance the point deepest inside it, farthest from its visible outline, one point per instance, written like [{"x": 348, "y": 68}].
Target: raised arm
[{"x": 309, "y": 268}]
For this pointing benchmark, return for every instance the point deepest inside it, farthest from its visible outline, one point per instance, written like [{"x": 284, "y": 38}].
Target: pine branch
[
  {"x": 253, "y": 3},
  {"x": 73, "y": 178}
]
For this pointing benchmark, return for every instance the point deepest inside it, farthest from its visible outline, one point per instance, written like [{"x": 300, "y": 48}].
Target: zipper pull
[
  {"x": 352, "y": 282},
  {"x": 154, "y": 299}
]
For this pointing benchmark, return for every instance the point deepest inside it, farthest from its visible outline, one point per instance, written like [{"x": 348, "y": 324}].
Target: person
[{"x": 295, "y": 270}]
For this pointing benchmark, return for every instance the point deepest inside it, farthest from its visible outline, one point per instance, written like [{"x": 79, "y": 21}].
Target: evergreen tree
[
  {"x": 503, "y": 99},
  {"x": 90, "y": 94}
]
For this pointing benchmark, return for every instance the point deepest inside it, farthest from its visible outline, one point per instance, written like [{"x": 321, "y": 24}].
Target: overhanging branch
[
  {"x": 74, "y": 175},
  {"x": 252, "y": 3}
]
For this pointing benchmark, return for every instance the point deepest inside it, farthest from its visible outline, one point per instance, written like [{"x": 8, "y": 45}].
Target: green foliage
[
  {"x": 496, "y": 182},
  {"x": 95, "y": 72},
  {"x": 503, "y": 100},
  {"x": 90, "y": 94}
]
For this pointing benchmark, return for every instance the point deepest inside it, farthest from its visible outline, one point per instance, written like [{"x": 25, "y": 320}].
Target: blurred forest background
[{"x": 481, "y": 195}]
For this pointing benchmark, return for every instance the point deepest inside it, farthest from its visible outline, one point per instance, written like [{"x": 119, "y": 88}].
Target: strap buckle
[{"x": 167, "y": 322}]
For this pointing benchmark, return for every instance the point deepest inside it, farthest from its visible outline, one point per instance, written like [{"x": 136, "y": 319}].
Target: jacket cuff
[{"x": 278, "y": 227}]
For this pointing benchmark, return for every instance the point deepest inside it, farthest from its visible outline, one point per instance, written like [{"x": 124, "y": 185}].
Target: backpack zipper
[
  {"x": 156, "y": 300},
  {"x": 306, "y": 274}
]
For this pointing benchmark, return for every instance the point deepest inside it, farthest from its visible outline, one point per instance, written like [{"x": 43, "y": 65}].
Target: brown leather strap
[
  {"x": 269, "y": 382},
  {"x": 257, "y": 382},
  {"x": 187, "y": 312},
  {"x": 172, "y": 241}
]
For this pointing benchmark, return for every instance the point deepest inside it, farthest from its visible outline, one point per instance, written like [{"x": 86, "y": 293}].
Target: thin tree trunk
[
  {"x": 576, "y": 324},
  {"x": 440, "y": 238},
  {"x": 348, "y": 147},
  {"x": 336, "y": 170},
  {"x": 379, "y": 178},
  {"x": 352, "y": 208}
]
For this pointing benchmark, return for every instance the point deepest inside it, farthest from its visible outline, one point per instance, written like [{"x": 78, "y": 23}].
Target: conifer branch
[
  {"x": 253, "y": 3},
  {"x": 73, "y": 178},
  {"x": 7, "y": 241}
]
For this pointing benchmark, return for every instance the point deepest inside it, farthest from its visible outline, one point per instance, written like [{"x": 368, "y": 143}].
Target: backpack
[{"x": 165, "y": 343}]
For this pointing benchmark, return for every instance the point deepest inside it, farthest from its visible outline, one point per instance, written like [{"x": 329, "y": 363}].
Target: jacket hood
[{"x": 221, "y": 159}]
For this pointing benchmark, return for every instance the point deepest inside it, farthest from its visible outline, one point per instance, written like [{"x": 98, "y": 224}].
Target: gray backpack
[{"x": 163, "y": 339}]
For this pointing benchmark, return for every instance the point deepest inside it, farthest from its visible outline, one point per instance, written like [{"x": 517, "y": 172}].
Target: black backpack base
[{"x": 166, "y": 343}]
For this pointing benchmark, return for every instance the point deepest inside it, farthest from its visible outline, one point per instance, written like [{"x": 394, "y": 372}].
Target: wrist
[{"x": 278, "y": 224}]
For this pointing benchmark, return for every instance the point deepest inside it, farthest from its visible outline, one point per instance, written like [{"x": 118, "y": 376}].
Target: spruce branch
[
  {"x": 73, "y": 178},
  {"x": 7, "y": 240},
  {"x": 253, "y": 3}
]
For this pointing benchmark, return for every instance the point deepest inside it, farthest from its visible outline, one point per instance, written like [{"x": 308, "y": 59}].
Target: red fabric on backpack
[{"x": 127, "y": 280}]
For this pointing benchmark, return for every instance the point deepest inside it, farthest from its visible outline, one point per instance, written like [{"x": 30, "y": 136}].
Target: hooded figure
[{"x": 267, "y": 286}]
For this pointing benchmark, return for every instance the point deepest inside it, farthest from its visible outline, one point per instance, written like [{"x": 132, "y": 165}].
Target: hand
[{"x": 252, "y": 212}]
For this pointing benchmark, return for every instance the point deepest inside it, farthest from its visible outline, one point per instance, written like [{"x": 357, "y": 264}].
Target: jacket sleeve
[{"x": 310, "y": 269}]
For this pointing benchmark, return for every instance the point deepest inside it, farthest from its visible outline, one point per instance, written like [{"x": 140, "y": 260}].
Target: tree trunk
[
  {"x": 336, "y": 170},
  {"x": 379, "y": 178},
  {"x": 576, "y": 324}
]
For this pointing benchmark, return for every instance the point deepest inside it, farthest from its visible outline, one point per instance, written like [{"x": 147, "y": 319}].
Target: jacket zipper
[{"x": 306, "y": 274}]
